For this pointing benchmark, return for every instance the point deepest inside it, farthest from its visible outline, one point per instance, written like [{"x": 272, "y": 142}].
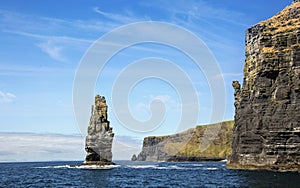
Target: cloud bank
[{"x": 25, "y": 147}]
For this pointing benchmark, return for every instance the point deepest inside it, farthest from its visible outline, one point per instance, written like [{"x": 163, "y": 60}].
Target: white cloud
[
  {"x": 52, "y": 50},
  {"x": 40, "y": 147},
  {"x": 6, "y": 97},
  {"x": 163, "y": 98},
  {"x": 49, "y": 147},
  {"x": 170, "y": 103}
]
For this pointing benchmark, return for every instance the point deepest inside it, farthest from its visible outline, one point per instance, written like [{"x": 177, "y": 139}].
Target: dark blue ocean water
[{"x": 140, "y": 174}]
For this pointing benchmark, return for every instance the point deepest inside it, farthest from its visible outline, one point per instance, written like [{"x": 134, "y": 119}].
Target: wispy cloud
[
  {"x": 122, "y": 18},
  {"x": 54, "y": 45},
  {"x": 53, "y": 51},
  {"x": 204, "y": 18},
  {"x": 203, "y": 10},
  {"x": 39, "y": 24},
  {"x": 21, "y": 70},
  {"x": 198, "y": 16},
  {"x": 53, "y": 36},
  {"x": 6, "y": 97}
]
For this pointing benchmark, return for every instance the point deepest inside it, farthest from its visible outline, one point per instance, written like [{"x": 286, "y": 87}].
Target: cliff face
[
  {"x": 185, "y": 146},
  {"x": 99, "y": 140},
  {"x": 267, "y": 118}
]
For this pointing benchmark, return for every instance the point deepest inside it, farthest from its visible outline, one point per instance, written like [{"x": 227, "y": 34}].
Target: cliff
[
  {"x": 267, "y": 118},
  {"x": 185, "y": 146},
  {"x": 99, "y": 140}
]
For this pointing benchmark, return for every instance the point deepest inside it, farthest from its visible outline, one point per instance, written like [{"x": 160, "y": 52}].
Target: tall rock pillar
[
  {"x": 99, "y": 140},
  {"x": 267, "y": 117}
]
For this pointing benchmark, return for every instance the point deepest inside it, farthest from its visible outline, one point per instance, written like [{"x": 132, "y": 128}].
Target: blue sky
[{"x": 43, "y": 42}]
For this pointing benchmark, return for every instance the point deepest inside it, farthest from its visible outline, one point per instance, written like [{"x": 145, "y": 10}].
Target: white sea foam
[
  {"x": 87, "y": 167},
  {"x": 155, "y": 167},
  {"x": 211, "y": 168},
  {"x": 63, "y": 166},
  {"x": 96, "y": 167},
  {"x": 142, "y": 166},
  {"x": 197, "y": 164}
]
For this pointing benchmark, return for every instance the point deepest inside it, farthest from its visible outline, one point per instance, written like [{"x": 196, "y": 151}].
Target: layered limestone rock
[
  {"x": 185, "y": 146},
  {"x": 267, "y": 118},
  {"x": 99, "y": 140}
]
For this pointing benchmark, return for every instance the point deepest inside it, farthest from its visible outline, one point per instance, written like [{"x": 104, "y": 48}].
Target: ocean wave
[
  {"x": 141, "y": 166},
  {"x": 62, "y": 166},
  {"x": 196, "y": 164}
]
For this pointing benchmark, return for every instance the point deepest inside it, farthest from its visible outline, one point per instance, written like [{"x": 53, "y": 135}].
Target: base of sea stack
[
  {"x": 283, "y": 168},
  {"x": 97, "y": 163}
]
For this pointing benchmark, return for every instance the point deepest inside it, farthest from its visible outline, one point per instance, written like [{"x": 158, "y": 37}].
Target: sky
[{"x": 43, "y": 43}]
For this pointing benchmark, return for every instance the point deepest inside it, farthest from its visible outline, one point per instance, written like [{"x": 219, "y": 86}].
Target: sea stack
[
  {"x": 99, "y": 140},
  {"x": 267, "y": 117}
]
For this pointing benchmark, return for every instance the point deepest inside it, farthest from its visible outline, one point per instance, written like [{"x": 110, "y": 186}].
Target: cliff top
[
  {"x": 192, "y": 130},
  {"x": 287, "y": 19}
]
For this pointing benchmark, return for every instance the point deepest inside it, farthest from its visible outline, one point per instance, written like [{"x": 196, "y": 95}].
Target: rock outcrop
[
  {"x": 185, "y": 146},
  {"x": 267, "y": 118},
  {"x": 99, "y": 140},
  {"x": 134, "y": 158}
]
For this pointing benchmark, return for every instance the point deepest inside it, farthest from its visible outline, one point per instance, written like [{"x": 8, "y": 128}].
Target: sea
[{"x": 139, "y": 174}]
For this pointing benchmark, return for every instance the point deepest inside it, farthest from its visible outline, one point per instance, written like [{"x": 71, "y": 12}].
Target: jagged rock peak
[{"x": 99, "y": 140}]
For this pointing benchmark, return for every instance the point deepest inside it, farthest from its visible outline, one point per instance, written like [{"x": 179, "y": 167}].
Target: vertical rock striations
[
  {"x": 267, "y": 118},
  {"x": 99, "y": 140}
]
